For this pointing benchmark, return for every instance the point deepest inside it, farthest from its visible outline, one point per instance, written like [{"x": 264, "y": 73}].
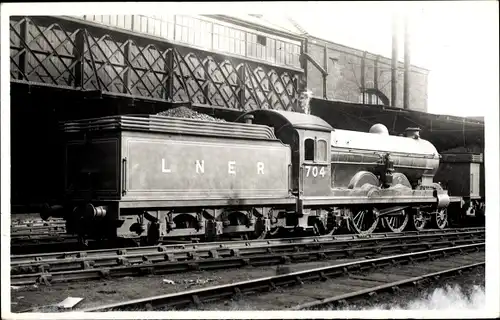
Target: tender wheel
[
  {"x": 281, "y": 232},
  {"x": 363, "y": 221},
  {"x": 260, "y": 230},
  {"x": 153, "y": 235},
  {"x": 419, "y": 221},
  {"x": 480, "y": 213},
  {"x": 397, "y": 223},
  {"x": 262, "y": 235},
  {"x": 440, "y": 219},
  {"x": 83, "y": 242},
  {"x": 276, "y": 232}
]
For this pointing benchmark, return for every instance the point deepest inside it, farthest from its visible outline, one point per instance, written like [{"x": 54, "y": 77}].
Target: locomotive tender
[{"x": 157, "y": 177}]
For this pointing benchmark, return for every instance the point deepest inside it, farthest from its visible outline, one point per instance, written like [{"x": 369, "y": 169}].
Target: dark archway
[{"x": 375, "y": 96}]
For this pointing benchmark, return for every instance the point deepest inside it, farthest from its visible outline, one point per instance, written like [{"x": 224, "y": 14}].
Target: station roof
[
  {"x": 444, "y": 131},
  {"x": 275, "y": 22},
  {"x": 274, "y": 25}
]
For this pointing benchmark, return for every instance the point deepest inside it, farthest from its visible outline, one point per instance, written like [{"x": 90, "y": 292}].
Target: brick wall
[{"x": 344, "y": 80}]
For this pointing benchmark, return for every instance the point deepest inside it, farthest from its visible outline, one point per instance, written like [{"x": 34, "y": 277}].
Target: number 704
[{"x": 315, "y": 171}]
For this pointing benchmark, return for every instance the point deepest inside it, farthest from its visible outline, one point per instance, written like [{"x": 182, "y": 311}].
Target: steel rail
[
  {"x": 392, "y": 286},
  {"x": 233, "y": 259},
  {"x": 197, "y": 297},
  {"x": 121, "y": 256},
  {"x": 37, "y": 257},
  {"x": 28, "y": 229},
  {"x": 39, "y": 239},
  {"x": 36, "y": 235},
  {"x": 36, "y": 222},
  {"x": 57, "y": 243},
  {"x": 37, "y": 229}
]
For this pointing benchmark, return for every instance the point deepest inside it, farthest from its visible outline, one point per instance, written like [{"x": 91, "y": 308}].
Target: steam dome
[{"x": 379, "y": 128}]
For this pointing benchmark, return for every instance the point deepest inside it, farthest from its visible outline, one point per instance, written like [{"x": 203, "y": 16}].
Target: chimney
[
  {"x": 406, "y": 87},
  {"x": 412, "y": 133},
  {"x": 394, "y": 68}
]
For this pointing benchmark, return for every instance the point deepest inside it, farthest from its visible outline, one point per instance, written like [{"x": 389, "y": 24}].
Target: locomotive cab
[
  {"x": 315, "y": 176},
  {"x": 309, "y": 139}
]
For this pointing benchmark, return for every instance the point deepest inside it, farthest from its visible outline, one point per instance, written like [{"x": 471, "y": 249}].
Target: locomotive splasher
[{"x": 154, "y": 177}]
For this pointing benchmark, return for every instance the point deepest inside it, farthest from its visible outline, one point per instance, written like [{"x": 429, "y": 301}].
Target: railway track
[
  {"x": 33, "y": 236},
  {"x": 74, "y": 266},
  {"x": 37, "y": 233},
  {"x": 344, "y": 296},
  {"x": 28, "y": 227},
  {"x": 60, "y": 242},
  {"x": 237, "y": 244},
  {"x": 436, "y": 260},
  {"x": 38, "y": 230},
  {"x": 33, "y": 222},
  {"x": 51, "y": 243}
]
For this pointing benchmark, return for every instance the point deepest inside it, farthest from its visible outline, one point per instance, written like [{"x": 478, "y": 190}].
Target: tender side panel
[
  {"x": 165, "y": 167},
  {"x": 482, "y": 180},
  {"x": 475, "y": 179},
  {"x": 95, "y": 164},
  {"x": 461, "y": 174},
  {"x": 456, "y": 178}
]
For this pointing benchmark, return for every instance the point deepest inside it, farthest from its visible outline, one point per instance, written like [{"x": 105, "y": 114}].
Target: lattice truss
[{"x": 51, "y": 54}]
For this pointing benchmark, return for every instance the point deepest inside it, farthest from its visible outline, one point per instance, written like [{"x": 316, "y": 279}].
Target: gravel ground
[
  {"x": 97, "y": 293},
  {"x": 101, "y": 292},
  {"x": 285, "y": 298},
  {"x": 449, "y": 293}
]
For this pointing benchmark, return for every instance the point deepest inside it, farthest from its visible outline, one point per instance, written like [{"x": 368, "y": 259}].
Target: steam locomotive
[{"x": 269, "y": 173}]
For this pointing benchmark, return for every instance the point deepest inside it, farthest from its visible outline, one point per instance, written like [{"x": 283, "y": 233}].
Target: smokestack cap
[{"x": 413, "y": 133}]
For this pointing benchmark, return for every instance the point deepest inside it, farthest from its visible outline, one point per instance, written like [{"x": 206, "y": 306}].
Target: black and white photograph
[{"x": 250, "y": 160}]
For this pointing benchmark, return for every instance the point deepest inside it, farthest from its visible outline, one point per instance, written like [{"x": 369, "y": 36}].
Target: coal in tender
[{"x": 184, "y": 112}]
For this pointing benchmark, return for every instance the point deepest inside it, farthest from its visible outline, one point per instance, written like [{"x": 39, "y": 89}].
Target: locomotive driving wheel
[
  {"x": 328, "y": 226},
  {"x": 419, "y": 220},
  {"x": 321, "y": 230},
  {"x": 440, "y": 219},
  {"x": 363, "y": 221},
  {"x": 397, "y": 223}
]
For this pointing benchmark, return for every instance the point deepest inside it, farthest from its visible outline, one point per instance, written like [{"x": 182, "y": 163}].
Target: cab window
[
  {"x": 322, "y": 149},
  {"x": 309, "y": 150},
  {"x": 315, "y": 150}
]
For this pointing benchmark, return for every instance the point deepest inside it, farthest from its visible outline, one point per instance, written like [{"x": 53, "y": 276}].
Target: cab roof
[{"x": 295, "y": 119}]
